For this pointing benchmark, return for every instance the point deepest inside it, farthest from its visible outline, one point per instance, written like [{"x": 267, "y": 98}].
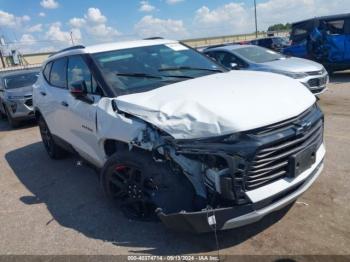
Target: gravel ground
[{"x": 56, "y": 207}]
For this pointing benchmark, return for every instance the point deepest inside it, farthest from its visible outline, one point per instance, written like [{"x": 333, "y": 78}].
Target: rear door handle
[
  {"x": 42, "y": 93},
  {"x": 64, "y": 103}
]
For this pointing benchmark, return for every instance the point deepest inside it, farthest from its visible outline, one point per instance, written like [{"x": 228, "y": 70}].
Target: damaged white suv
[{"x": 178, "y": 138}]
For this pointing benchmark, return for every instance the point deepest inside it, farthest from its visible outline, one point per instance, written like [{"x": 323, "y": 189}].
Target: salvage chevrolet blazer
[{"x": 176, "y": 137}]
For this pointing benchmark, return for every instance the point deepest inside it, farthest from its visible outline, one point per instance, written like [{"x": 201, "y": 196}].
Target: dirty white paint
[{"x": 219, "y": 104}]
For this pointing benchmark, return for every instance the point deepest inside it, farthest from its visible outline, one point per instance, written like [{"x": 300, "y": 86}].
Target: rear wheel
[
  {"x": 53, "y": 150},
  {"x": 141, "y": 186}
]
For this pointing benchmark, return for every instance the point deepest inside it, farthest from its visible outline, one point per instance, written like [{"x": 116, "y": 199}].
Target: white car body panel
[{"x": 219, "y": 104}]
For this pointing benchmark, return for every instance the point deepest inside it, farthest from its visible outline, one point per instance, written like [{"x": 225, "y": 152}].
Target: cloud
[
  {"x": 42, "y": 14},
  {"x": 237, "y": 17},
  {"x": 77, "y": 22},
  {"x": 10, "y": 20},
  {"x": 231, "y": 18},
  {"x": 173, "y": 2},
  {"x": 145, "y": 6},
  {"x": 28, "y": 39},
  {"x": 102, "y": 32},
  {"x": 49, "y": 4},
  {"x": 151, "y": 26},
  {"x": 94, "y": 24},
  {"x": 94, "y": 15},
  {"x": 35, "y": 28},
  {"x": 55, "y": 33},
  {"x": 278, "y": 11}
]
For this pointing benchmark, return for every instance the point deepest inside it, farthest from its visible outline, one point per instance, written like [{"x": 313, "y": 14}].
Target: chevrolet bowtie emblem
[{"x": 301, "y": 127}]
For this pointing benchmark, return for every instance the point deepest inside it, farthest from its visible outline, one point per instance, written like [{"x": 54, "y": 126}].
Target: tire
[
  {"x": 141, "y": 185},
  {"x": 53, "y": 150},
  {"x": 2, "y": 115},
  {"x": 13, "y": 122}
]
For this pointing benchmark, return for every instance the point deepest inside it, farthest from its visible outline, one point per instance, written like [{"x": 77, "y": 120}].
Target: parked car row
[
  {"x": 16, "y": 90},
  {"x": 177, "y": 136},
  {"x": 249, "y": 57}
]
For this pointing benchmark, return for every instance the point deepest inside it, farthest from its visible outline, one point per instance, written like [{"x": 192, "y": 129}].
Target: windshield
[
  {"x": 280, "y": 41},
  {"x": 258, "y": 54},
  {"x": 149, "y": 67},
  {"x": 20, "y": 80}
]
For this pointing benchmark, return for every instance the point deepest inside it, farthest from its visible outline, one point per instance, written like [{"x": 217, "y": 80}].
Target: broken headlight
[{"x": 232, "y": 138}]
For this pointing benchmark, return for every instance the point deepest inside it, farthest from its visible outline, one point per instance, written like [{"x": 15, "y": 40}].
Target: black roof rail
[
  {"x": 153, "y": 38},
  {"x": 68, "y": 49}
]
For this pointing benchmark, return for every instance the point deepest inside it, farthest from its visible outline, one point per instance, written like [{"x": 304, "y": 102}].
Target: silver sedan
[
  {"x": 16, "y": 95},
  {"x": 248, "y": 57}
]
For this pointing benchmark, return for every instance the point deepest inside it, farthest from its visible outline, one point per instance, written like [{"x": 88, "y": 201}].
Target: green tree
[{"x": 280, "y": 27}]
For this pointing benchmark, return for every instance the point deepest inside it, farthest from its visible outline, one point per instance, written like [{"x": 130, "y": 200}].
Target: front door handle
[
  {"x": 42, "y": 93},
  {"x": 64, "y": 103}
]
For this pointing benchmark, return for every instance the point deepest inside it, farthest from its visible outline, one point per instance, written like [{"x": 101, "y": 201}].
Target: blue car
[{"x": 323, "y": 39}]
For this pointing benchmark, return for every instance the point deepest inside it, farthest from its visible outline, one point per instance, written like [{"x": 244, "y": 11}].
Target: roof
[
  {"x": 109, "y": 47},
  {"x": 19, "y": 72},
  {"x": 329, "y": 17},
  {"x": 229, "y": 47}
]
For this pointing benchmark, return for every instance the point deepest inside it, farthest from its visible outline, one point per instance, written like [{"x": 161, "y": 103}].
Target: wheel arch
[
  {"x": 37, "y": 113},
  {"x": 111, "y": 146}
]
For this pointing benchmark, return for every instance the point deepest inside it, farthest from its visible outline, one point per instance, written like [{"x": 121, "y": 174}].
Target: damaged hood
[{"x": 219, "y": 104}]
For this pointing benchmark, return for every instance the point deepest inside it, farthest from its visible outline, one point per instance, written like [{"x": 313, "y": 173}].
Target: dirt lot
[{"x": 56, "y": 207}]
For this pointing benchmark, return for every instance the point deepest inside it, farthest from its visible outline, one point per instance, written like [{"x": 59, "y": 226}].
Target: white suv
[{"x": 178, "y": 138}]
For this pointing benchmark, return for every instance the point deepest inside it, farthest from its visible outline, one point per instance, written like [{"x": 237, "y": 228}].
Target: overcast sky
[{"x": 44, "y": 25}]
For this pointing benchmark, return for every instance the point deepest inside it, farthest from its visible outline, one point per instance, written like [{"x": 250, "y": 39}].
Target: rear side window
[
  {"x": 335, "y": 27},
  {"x": 58, "y": 75},
  {"x": 47, "y": 70}
]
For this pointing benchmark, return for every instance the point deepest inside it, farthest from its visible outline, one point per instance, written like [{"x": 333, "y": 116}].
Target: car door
[
  {"x": 336, "y": 40},
  {"x": 82, "y": 114},
  {"x": 347, "y": 40},
  {"x": 52, "y": 96},
  {"x": 2, "y": 94}
]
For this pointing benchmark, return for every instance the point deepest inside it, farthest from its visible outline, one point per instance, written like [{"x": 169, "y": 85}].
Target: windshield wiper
[
  {"x": 178, "y": 76},
  {"x": 139, "y": 75},
  {"x": 188, "y": 68},
  {"x": 152, "y": 76}
]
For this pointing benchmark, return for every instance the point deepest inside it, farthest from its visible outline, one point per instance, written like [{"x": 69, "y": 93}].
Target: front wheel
[
  {"x": 53, "y": 150},
  {"x": 141, "y": 185}
]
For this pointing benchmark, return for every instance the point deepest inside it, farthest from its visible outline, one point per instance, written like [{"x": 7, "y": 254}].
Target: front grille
[
  {"x": 272, "y": 162},
  {"x": 315, "y": 82},
  {"x": 29, "y": 102}
]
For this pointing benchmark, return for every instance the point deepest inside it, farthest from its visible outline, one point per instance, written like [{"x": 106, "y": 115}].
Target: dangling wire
[{"x": 212, "y": 223}]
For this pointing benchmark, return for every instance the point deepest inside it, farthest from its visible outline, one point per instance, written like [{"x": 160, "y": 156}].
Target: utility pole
[
  {"x": 2, "y": 43},
  {"x": 71, "y": 37},
  {"x": 256, "y": 20}
]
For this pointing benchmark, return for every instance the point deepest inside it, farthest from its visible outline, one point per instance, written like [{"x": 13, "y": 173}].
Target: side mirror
[
  {"x": 78, "y": 89},
  {"x": 234, "y": 66}
]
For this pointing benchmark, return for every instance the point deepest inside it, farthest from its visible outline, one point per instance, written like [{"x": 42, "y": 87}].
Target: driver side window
[
  {"x": 226, "y": 59},
  {"x": 78, "y": 71}
]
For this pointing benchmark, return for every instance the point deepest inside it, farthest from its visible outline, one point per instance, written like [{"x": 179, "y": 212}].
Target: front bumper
[
  {"x": 268, "y": 199},
  {"x": 20, "y": 108}
]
